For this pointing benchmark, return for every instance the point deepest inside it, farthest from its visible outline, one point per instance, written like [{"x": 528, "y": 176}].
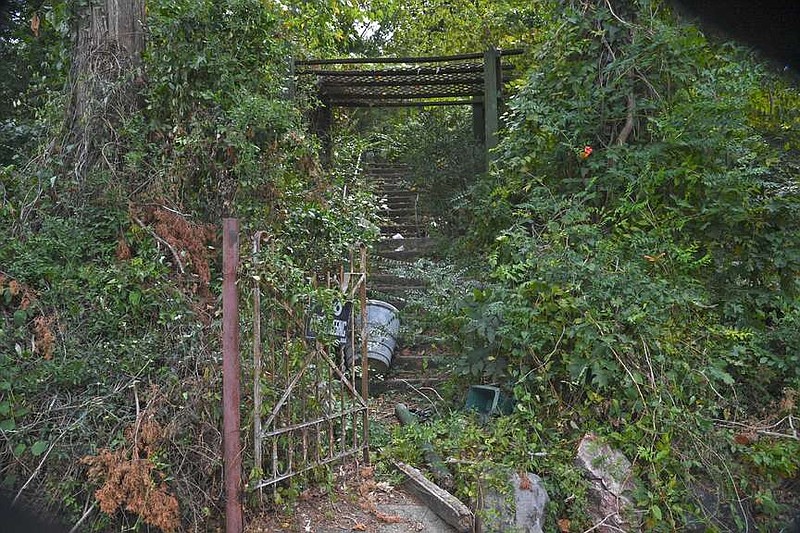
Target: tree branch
[{"x": 629, "y": 121}]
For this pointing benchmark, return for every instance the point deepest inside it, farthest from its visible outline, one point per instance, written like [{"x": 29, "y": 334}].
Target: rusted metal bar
[
  {"x": 308, "y": 423},
  {"x": 258, "y": 462},
  {"x": 232, "y": 457},
  {"x": 364, "y": 360},
  {"x": 321, "y": 462},
  {"x": 288, "y": 392}
]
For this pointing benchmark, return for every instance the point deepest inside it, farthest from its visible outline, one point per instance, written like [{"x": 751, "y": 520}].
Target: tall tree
[{"x": 108, "y": 45}]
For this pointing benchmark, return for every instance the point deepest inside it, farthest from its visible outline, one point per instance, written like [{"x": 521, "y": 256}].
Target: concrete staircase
[{"x": 404, "y": 239}]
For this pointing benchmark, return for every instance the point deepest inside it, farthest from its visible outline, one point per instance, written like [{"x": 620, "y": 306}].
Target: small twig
[
  {"x": 763, "y": 430},
  {"x": 35, "y": 472},
  {"x": 548, "y": 356},
  {"x": 415, "y": 389},
  {"x": 649, "y": 363},
  {"x": 85, "y": 515},
  {"x": 720, "y": 396},
  {"x": 611, "y": 9},
  {"x": 603, "y": 523},
  {"x": 162, "y": 241},
  {"x": 138, "y": 421},
  {"x": 630, "y": 374},
  {"x": 165, "y": 208},
  {"x": 439, "y": 396}
]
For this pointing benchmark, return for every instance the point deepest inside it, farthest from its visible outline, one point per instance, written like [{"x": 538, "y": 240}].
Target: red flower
[{"x": 586, "y": 152}]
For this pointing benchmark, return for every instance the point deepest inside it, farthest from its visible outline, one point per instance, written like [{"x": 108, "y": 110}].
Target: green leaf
[
  {"x": 20, "y": 317},
  {"x": 655, "y": 510},
  {"x": 39, "y": 447},
  {"x": 8, "y": 424},
  {"x": 20, "y": 448},
  {"x": 5, "y": 407},
  {"x": 134, "y": 297}
]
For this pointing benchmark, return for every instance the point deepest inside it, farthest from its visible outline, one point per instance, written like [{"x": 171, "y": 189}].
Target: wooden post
[
  {"x": 291, "y": 83},
  {"x": 491, "y": 94},
  {"x": 478, "y": 123},
  {"x": 231, "y": 446}
]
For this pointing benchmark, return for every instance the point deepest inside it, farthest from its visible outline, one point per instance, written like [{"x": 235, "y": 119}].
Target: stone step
[
  {"x": 400, "y": 212},
  {"x": 401, "y": 200},
  {"x": 408, "y": 256},
  {"x": 381, "y": 279},
  {"x": 384, "y": 167},
  {"x": 403, "y": 216},
  {"x": 395, "y": 187},
  {"x": 418, "y": 362},
  {"x": 403, "y": 384},
  {"x": 410, "y": 243},
  {"x": 401, "y": 193},
  {"x": 404, "y": 229}
]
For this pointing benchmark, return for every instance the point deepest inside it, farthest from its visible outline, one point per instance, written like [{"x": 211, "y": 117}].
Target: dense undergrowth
[
  {"x": 110, "y": 383},
  {"x": 635, "y": 271},
  {"x": 638, "y": 271}
]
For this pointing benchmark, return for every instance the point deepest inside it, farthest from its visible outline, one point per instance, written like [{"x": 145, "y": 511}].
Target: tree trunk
[{"x": 104, "y": 82}]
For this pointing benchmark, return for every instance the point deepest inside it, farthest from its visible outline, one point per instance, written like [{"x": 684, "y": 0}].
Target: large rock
[
  {"x": 500, "y": 512},
  {"x": 610, "y": 506}
]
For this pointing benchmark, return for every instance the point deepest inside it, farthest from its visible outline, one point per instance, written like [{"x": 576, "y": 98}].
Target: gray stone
[
  {"x": 500, "y": 512},
  {"x": 611, "y": 480}
]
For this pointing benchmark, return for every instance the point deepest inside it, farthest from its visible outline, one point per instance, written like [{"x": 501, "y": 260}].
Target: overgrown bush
[
  {"x": 109, "y": 306},
  {"x": 638, "y": 229}
]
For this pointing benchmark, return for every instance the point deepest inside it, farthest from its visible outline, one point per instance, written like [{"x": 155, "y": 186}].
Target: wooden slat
[{"x": 382, "y": 60}]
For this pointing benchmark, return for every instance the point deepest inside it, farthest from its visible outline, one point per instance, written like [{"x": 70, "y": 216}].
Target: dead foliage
[
  {"x": 44, "y": 339},
  {"x": 16, "y": 296},
  {"x": 21, "y": 296},
  {"x": 129, "y": 480},
  {"x": 188, "y": 242},
  {"x": 366, "y": 490}
]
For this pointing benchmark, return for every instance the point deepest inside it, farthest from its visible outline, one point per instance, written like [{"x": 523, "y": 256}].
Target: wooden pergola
[{"x": 474, "y": 79}]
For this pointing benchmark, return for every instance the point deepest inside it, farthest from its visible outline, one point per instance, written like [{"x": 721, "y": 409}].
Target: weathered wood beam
[
  {"x": 445, "y": 505},
  {"x": 376, "y": 60}
]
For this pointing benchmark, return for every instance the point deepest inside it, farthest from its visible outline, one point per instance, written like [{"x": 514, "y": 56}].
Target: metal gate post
[{"x": 231, "y": 447}]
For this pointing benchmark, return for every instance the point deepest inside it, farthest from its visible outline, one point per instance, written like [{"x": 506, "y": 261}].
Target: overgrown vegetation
[
  {"x": 638, "y": 229},
  {"x": 635, "y": 251},
  {"x": 109, "y": 315}
]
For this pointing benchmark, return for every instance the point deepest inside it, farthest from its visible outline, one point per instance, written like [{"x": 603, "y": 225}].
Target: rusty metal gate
[{"x": 310, "y": 373}]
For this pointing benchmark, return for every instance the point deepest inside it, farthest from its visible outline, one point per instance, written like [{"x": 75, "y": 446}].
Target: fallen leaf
[
  {"x": 359, "y": 527},
  {"x": 35, "y": 22},
  {"x": 388, "y": 518},
  {"x": 385, "y": 486},
  {"x": 524, "y": 481},
  {"x": 563, "y": 525}
]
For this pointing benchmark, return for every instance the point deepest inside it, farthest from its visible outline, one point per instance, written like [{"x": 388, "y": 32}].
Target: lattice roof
[{"x": 449, "y": 80}]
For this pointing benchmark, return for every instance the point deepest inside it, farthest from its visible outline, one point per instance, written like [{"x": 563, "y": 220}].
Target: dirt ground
[
  {"x": 353, "y": 505},
  {"x": 356, "y": 499}
]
